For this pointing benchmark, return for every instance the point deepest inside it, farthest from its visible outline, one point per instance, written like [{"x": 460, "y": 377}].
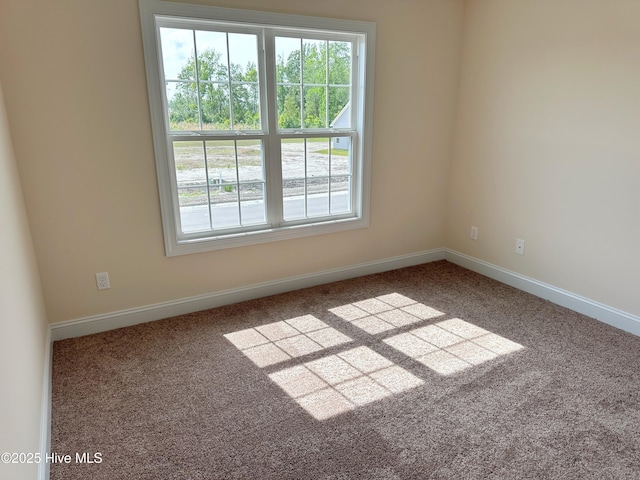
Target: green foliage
[
  {"x": 313, "y": 73},
  {"x": 215, "y": 105},
  {"x": 301, "y": 85},
  {"x": 290, "y": 113}
]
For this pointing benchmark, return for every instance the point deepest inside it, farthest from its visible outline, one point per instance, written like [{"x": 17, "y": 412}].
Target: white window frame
[{"x": 177, "y": 243}]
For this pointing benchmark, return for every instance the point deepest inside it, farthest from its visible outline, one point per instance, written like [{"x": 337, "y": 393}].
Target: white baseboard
[
  {"x": 45, "y": 414},
  {"x": 149, "y": 313},
  {"x": 612, "y": 316}
]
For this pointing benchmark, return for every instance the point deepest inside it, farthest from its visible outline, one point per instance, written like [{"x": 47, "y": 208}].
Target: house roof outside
[{"x": 343, "y": 118}]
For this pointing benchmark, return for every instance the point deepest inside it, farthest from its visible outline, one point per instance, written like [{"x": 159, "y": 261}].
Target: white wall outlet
[
  {"x": 102, "y": 280},
  {"x": 520, "y": 246},
  {"x": 474, "y": 233}
]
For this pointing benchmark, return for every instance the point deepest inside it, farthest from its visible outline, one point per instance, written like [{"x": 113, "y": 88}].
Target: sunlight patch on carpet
[
  {"x": 339, "y": 383},
  {"x": 385, "y": 313},
  {"x": 280, "y": 341},
  {"x": 452, "y": 346}
]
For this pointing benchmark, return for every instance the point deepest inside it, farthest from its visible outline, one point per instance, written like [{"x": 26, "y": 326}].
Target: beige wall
[
  {"x": 545, "y": 147},
  {"x": 547, "y": 144},
  {"x": 76, "y": 97},
  {"x": 23, "y": 326}
]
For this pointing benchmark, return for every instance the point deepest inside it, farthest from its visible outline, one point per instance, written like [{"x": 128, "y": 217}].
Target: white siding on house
[{"x": 342, "y": 120}]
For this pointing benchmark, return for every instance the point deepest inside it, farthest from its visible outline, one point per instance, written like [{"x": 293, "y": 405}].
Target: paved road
[{"x": 196, "y": 218}]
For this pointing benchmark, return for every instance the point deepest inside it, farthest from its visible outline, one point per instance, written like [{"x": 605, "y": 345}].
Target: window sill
[{"x": 176, "y": 247}]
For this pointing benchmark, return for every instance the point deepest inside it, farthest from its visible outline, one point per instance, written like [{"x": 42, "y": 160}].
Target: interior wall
[
  {"x": 547, "y": 146},
  {"x": 75, "y": 86},
  {"x": 23, "y": 325}
]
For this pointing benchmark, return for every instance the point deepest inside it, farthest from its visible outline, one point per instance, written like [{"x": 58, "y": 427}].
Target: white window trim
[{"x": 362, "y": 150}]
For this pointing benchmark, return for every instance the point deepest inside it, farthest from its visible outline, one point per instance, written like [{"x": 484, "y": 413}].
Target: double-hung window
[{"x": 261, "y": 123}]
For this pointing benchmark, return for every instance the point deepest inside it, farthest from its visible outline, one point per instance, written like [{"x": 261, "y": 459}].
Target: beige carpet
[{"x": 425, "y": 372}]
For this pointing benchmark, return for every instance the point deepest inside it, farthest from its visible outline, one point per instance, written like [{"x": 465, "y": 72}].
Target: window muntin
[
  {"x": 209, "y": 102},
  {"x": 313, "y": 81},
  {"x": 211, "y": 79},
  {"x": 316, "y": 177},
  {"x": 220, "y": 184}
]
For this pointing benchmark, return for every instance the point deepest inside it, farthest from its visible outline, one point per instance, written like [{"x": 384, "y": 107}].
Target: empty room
[{"x": 354, "y": 239}]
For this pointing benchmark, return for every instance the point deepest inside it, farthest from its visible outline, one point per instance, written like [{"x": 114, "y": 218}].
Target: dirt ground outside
[{"x": 325, "y": 171}]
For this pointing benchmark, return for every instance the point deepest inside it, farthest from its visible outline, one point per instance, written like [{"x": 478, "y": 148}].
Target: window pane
[
  {"x": 315, "y": 107},
  {"x": 326, "y": 79},
  {"x": 221, "y": 167},
  {"x": 246, "y": 107},
  {"x": 213, "y": 74},
  {"x": 212, "y": 56},
  {"x": 243, "y": 54},
  {"x": 182, "y": 99},
  {"x": 194, "y": 216},
  {"x": 293, "y": 161},
  {"x": 314, "y": 65},
  {"x": 233, "y": 203},
  {"x": 339, "y": 107},
  {"x": 250, "y": 161},
  {"x": 243, "y": 50},
  {"x": 221, "y": 163},
  {"x": 341, "y": 156},
  {"x": 177, "y": 54},
  {"x": 224, "y": 206},
  {"x": 340, "y": 63},
  {"x": 317, "y": 157},
  {"x": 317, "y": 196},
  {"x": 225, "y": 92},
  {"x": 178, "y": 61},
  {"x": 293, "y": 178},
  {"x": 340, "y": 195},
  {"x": 317, "y": 177},
  {"x": 252, "y": 203},
  {"x": 289, "y": 107},
  {"x": 288, "y": 60},
  {"x": 214, "y": 102},
  {"x": 192, "y": 185}
]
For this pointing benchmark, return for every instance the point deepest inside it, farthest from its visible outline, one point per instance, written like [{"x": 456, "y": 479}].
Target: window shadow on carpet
[{"x": 356, "y": 375}]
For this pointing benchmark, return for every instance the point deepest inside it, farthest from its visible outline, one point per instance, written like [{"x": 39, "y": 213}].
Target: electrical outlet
[
  {"x": 102, "y": 280},
  {"x": 474, "y": 233},
  {"x": 520, "y": 246}
]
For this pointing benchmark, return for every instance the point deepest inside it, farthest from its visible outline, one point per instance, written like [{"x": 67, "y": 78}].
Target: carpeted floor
[{"x": 425, "y": 372}]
